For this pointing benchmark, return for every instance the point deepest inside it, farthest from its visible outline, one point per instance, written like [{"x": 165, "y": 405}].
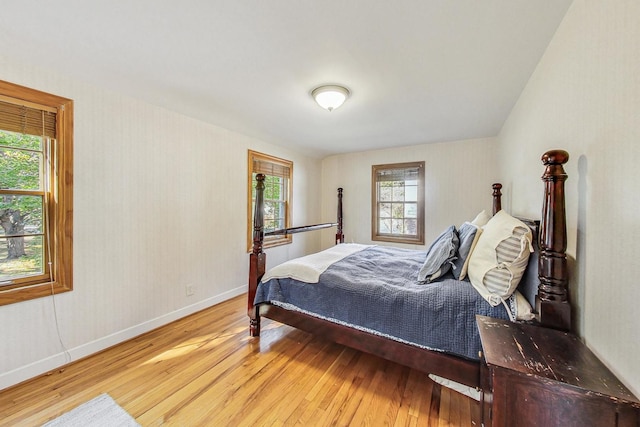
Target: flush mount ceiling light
[{"x": 330, "y": 97}]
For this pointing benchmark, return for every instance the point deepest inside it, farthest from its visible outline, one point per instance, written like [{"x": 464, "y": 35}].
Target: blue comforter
[{"x": 376, "y": 290}]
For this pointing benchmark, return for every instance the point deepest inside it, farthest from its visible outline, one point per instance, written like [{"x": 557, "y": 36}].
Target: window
[
  {"x": 397, "y": 197},
  {"x": 36, "y": 194},
  {"x": 277, "y": 196}
]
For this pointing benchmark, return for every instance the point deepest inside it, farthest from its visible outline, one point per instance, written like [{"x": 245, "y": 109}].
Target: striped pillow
[
  {"x": 500, "y": 257},
  {"x": 507, "y": 252}
]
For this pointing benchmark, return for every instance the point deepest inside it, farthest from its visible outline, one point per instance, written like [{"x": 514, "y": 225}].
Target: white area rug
[
  {"x": 460, "y": 388},
  {"x": 101, "y": 411}
]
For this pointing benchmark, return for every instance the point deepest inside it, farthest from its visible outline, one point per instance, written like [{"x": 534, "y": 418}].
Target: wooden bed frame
[{"x": 552, "y": 304}]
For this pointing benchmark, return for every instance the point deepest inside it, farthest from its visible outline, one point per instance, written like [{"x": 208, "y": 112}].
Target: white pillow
[
  {"x": 481, "y": 219},
  {"x": 523, "y": 308},
  {"x": 500, "y": 257}
]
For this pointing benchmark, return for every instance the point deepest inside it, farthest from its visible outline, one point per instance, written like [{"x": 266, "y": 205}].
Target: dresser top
[{"x": 549, "y": 354}]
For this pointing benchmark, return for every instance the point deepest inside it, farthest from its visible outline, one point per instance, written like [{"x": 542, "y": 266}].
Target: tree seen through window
[{"x": 21, "y": 205}]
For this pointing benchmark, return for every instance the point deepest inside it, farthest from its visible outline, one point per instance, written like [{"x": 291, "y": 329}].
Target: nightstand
[{"x": 534, "y": 376}]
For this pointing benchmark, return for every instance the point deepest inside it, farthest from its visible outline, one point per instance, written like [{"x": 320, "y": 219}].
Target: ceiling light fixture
[{"x": 330, "y": 97}]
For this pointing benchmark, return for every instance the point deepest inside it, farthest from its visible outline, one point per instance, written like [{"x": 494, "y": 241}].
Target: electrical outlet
[{"x": 189, "y": 290}]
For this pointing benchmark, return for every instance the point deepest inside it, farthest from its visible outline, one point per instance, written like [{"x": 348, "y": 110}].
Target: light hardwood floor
[{"x": 205, "y": 370}]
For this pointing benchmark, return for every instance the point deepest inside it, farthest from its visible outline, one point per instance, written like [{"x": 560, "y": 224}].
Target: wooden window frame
[
  {"x": 60, "y": 199},
  {"x": 418, "y": 238},
  {"x": 269, "y": 241}
]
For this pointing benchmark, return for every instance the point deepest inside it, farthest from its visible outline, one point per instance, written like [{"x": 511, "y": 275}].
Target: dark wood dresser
[{"x": 534, "y": 376}]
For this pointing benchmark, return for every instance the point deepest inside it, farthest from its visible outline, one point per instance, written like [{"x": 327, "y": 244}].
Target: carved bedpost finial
[
  {"x": 555, "y": 157},
  {"x": 497, "y": 197},
  {"x": 552, "y": 303}
]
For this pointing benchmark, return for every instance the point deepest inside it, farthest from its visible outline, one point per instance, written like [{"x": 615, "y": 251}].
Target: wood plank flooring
[{"x": 205, "y": 370}]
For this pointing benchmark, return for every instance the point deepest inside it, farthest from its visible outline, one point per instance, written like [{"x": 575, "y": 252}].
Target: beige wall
[
  {"x": 458, "y": 175},
  {"x": 585, "y": 97},
  {"x": 160, "y": 202}
]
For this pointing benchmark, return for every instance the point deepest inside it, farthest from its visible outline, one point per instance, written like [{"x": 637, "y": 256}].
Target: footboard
[{"x": 257, "y": 258}]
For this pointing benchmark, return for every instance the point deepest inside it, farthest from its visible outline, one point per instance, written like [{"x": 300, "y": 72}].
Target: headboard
[{"x": 545, "y": 283}]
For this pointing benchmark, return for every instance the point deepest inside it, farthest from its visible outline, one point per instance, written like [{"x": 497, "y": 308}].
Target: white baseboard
[{"x": 56, "y": 361}]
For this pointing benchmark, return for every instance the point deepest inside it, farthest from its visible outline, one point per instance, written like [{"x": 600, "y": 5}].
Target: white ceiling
[{"x": 419, "y": 71}]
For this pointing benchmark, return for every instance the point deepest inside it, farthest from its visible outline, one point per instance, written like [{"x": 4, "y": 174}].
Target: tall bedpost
[
  {"x": 257, "y": 258},
  {"x": 339, "y": 234},
  {"x": 552, "y": 303},
  {"x": 497, "y": 197}
]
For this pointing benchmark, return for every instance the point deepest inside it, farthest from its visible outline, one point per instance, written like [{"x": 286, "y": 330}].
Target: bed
[{"x": 411, "y": 330}]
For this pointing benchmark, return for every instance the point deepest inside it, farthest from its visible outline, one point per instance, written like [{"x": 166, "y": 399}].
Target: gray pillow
[
  {"x": 467, "y": 234},
  {"x": 441, "y": 254}
]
